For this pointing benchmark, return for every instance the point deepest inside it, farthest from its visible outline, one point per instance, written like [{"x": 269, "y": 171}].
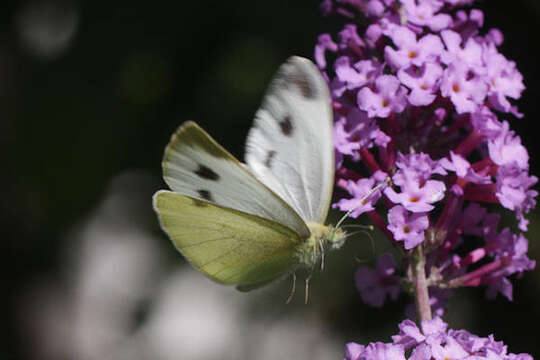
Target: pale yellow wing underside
[{"x": 229, "y": 246}]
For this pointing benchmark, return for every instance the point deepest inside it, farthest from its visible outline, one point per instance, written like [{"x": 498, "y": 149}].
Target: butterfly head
[
  {"x": 336, "y": 237},
  {"x": 322, "y": 238}
]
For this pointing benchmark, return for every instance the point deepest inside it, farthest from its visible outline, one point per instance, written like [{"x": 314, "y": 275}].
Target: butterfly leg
[
  {"x": 293, "y": 289},
  {"x": 307, "y": 288},
  {"x": 312, "y": 268},
  {"x": 321, "y": 246}
]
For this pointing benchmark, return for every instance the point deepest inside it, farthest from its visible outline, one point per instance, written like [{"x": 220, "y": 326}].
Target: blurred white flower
[
  {"x": 46, "y": 28},
  {"x": 119, "y": 300},
  {"x": 194, "y": 318}
]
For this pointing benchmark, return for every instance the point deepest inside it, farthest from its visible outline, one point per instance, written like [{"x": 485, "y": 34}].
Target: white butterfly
[{"x": 248, "y": 225}]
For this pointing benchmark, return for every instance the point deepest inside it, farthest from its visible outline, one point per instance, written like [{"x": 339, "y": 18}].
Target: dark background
[{"x": 90, "y": 91}]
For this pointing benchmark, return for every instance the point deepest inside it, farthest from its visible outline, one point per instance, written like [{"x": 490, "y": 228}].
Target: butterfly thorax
[{"x": 322, "y": 239}]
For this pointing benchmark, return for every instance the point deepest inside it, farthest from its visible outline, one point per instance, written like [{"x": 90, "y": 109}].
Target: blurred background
[{"x": 90, "y": 93}]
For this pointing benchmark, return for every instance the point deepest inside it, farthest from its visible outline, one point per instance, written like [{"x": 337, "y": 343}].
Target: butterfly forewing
[
  {"x": 197, "y": 166},
  {"x": 229, "y": 246},
  {"x": 290, "y": 145}
]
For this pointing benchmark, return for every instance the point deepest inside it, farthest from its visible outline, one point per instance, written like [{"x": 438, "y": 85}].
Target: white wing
[
  {"x": 290, "y": 145},
  {"x": 195, "y": 165}
]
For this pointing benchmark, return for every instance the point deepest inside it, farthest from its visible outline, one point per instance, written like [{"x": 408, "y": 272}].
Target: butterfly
[{"x": 249, "y": 224}]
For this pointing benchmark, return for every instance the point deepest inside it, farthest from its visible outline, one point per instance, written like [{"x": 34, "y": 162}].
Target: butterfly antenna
[
  {"x": 371, "y": 241},
  {"x": 293, "y": 289},
  {"x": 363, "y": 200},
  {"x": 354, "y": 233},
  {"x": 364, "y": 227},
  {"x": 322, "y": 254}
]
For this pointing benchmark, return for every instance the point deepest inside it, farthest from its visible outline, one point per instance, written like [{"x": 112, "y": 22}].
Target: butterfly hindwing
[
  {"x": 290, "y": 145},
  {"x": 197, "y": 166},
  {"x": 229, "y": 246}
]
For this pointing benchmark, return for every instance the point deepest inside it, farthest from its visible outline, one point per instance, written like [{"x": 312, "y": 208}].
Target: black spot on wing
[
  {"x": 286, "y": 126},
  {"x": 199, "y": 203},
  {"x": 206, "y": 195},
  {"x": 269, "y": 157},
  {"x": 206, "y": 173},
  {"x": 302, "y": 83}
]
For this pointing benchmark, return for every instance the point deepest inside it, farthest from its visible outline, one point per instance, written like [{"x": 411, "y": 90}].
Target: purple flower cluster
[
  {"x": 418, "y": 93},
  {"x": 432, "y": 341}
]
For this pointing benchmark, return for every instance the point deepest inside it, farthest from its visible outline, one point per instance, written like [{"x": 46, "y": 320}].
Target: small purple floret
[
  {"x": 407, "y": 227},
  {"x": 433, "y": 341},
  {"x": 376, "y": 285}
]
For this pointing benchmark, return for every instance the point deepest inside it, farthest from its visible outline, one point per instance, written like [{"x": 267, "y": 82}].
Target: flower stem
[
  {"x": 421, "y": 295},
  {"x": 469, "y": 144},
  {"x": 369, "y": 160},
  {"x": 474, "y": 278},
  {"x": 445, "y": 220},
  {"x": 481, "y": 193}
]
